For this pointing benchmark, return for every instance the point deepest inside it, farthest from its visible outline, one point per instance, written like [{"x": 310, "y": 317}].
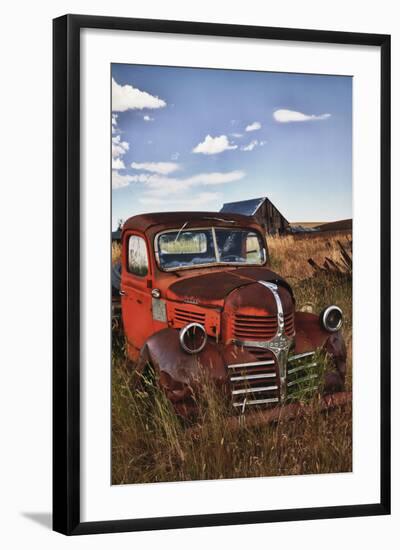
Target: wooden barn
[{"x": 262, "y": 209}]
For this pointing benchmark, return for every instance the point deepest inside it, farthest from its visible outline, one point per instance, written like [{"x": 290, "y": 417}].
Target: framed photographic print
[{"x": 221, "y": 274}]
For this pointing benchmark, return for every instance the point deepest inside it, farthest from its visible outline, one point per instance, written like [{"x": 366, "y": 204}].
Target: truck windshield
[{"x": 185, "y": 248}]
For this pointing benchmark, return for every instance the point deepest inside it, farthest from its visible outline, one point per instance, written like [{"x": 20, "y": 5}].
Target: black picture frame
[{"x": 66, "y": 273}]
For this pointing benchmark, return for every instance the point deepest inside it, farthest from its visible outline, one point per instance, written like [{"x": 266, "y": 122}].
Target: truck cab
[{"x": 198, "y": 298}]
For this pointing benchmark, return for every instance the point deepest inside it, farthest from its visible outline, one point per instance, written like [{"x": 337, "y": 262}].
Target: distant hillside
[
  {"x": 307, "y": 224},
  {"x": 340, "y": 225}
]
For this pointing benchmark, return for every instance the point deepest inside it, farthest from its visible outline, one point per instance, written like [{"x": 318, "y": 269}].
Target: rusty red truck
[{"x": 197, "y": 296}]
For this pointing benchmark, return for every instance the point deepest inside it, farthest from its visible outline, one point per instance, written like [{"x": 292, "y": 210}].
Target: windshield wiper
[{"x": 180, "y": 231}]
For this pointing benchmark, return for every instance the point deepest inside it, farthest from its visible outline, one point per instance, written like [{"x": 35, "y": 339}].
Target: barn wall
[{"x": 270, "y": 218}]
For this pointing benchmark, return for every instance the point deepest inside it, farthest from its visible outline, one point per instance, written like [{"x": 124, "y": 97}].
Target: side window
[{"x": 137, "y": 256}]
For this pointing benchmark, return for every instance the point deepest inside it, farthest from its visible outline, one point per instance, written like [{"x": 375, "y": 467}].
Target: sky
[{"x": 194, "y": 139}]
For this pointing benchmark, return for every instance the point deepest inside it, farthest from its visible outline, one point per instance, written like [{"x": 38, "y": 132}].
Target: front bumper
[{"x": 290, "y": 411}]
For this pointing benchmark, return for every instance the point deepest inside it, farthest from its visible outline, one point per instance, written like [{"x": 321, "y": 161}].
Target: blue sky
[{"x": 192, "y": 139}]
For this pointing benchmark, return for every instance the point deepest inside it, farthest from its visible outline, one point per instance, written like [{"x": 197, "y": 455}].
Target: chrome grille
[
  {"x": 303, "y": 374},
  {"x": 254, "y": 383},
  {"x": 257, "y": 382},
  {"x": 257, "y": 327}
]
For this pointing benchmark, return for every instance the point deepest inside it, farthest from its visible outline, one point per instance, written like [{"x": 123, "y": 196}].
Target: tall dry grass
[
  {"x": 289, "y": 257},
  {"x": 150, "y": 444},
  {"x": 289, "y": 254},
  {"x": 115, "y": 252}
]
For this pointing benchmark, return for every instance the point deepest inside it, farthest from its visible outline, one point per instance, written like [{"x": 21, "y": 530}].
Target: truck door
[{"x": 136, "y": 293}]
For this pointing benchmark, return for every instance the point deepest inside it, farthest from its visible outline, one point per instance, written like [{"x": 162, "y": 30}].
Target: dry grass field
[
  {"x": 150, "y": 444},
  {"x": 115, "y": 252}
]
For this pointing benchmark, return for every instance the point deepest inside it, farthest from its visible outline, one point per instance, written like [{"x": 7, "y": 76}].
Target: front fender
[
  {"x": 178, "y": 372},
  {"x": 310, "y": 335}
]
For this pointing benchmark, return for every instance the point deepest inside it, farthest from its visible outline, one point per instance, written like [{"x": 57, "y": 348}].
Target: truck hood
[{"x": 211, "y": 289}]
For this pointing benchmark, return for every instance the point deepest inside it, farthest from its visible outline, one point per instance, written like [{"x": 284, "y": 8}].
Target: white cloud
[
  {"x": 216, "y": 178},
  {"x": 175, "y": 156},
  {"x": 160, "y": 185},
  {"x": 114, "y": 123},
  {"x": 127, "y": 97},
  {"x": 250, "y": 146},
  {"x": 118, "y": 147},
  {"x": 253, "y": 127},
  {"x": 156, "y": 167},
  {"x": 213, "y": 146},
  {"x": 286, "y": 115},
  {"x": 236, "y": 135},
  {"x": 119, "y": 181},
  {"x": 141, "y": 178},
  {"x": 163, "y": 186},
  {"x": 148, "y": 118},
  {"x": 118, "y": 164}
]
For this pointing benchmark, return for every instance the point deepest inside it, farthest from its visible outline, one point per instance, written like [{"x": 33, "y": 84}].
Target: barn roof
[
  {"x": 116, "y": 235},
  {"x": 248, "y": 208}
]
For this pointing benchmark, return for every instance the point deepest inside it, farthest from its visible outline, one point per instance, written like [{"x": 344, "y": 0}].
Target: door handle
[{"x": 122, "y": 293}]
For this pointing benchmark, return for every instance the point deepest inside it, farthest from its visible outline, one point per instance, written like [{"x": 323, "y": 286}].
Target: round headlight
[
  {"x": 193, "y": 338},
  {"x": 332, "y": 318}
]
